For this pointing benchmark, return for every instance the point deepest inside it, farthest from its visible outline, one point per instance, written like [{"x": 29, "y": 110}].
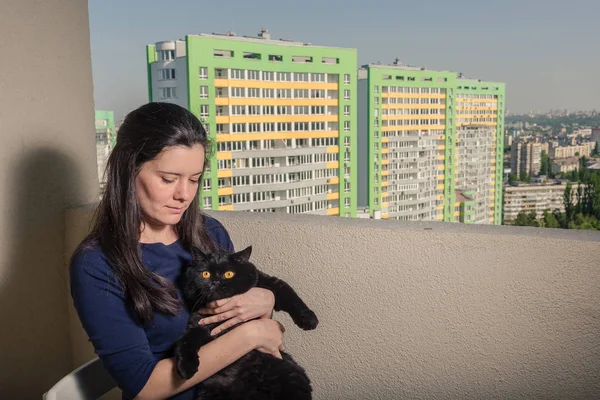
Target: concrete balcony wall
[
  {"x": 47, "y": 164},
  {"x": 427, "y": 310}
]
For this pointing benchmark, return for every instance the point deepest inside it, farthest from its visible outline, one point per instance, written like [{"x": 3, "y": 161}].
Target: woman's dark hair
[{"x": 145, "y": 132}]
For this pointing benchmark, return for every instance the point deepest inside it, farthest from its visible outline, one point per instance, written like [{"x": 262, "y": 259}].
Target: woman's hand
[
  {"x": 267, "y": 336},
  {"x": 255, "y": 303}
]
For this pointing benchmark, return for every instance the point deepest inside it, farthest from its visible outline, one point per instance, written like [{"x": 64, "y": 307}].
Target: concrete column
[{"x": 47, "y": 164}]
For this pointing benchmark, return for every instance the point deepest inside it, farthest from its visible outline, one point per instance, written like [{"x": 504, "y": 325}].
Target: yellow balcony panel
[
  {"x": 457, "y": 204},
  {"x": 455, "y": 180},
  {"x": 457, "y": 213},
  {"x": 385, "y": 173},
  {"x": 440, "y": 177},
  {"x": 224, "y": 173},
  {"x": 240, "y": 119},
  {"x": 385, "y": 151},
  {"x": 225, "y": 191},
  {"x": 234, "y": 137},
  {"x": 384, "y": 205},
  {"x": 333, "y": 149},
  {"x": 384, "y": 194},
  {"x": 333, "y": 196},
  {"x": 412, "y": 128},
  {"x": 333, "y": 211},
  {"x": 385, "y": 140},
  {"x": 410, "y": 117},
  {"x": 442, "y": 147},
  {"x": 493, "y": 190},
  {"x": 440, "y": 157},
  {"x": 333, "y": 181},
  {"x": 440, "y": 187},
  {"x": 439, "y": 217},
  {"x": 274, "y": 85},
  {"x": 441, "y": 168},
  {"x": 384, "y": 216},
  {"x": 492, "y": 198},
  {"x": 332, "y": 164},
  {"x": 492, "y": 220},
  {"x": 414, "y": 95},
  {"x": 440, "y": 197},
  {"x": 412, "y": 106},
  {"x": 442, "y": 137},
  {"x": 228, "y": 207},
  {"x": 385, "y": 162},
  {"x": 491, "y": 213},
  {"x": 252, "y": 101},
  {"x": 384, "y": 184},
  {"x": 491, "y": 205},
  {"x": 223, "y": 155},
  {"x": 439, "y": 207}
]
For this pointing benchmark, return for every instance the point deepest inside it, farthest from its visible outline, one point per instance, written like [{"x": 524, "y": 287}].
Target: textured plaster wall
[
  {"x": 422, "y": 311},
  {"x": 47, "y": 164}
]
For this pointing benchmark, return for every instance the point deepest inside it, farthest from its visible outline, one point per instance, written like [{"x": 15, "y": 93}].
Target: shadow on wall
[{"x": 35, "y": 350}]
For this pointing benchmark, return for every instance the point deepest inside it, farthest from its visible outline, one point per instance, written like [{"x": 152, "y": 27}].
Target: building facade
[
  {"x": 105, "y": 141},
  {"x": 282, "y": 115},
  {"x": 533, "y": 197},
  {"x": 526, "y": 157},
  {"x": 427, "y": 134},
  {"x": 582, "y": 150}
]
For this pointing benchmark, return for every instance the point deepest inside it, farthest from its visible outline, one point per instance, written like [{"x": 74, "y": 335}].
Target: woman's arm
[{"x": 264, "y": 335}]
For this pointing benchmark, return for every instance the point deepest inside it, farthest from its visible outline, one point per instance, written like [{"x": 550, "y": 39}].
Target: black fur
[{"x": 255, "y": 376}]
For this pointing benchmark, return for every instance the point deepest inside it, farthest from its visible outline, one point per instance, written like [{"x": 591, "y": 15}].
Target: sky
[{"x": 546, "y": 51}]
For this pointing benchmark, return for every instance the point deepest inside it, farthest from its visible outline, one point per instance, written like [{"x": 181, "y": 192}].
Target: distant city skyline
[{"x": 542, "y": 50}]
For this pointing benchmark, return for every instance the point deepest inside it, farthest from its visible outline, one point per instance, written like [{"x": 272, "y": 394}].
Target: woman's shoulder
[{"x": 90, "y": 259}]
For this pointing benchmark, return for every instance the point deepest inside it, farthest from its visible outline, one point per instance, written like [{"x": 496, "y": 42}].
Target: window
[
  {"x": 346, "y": 94},
  {"x": 168, "y": 93},
  {"x": 275, "y": 58},
  {"x": 207, "y": 203},
  {"x": 204, "y": 110},
  {"x": 237, "y": 74},
  {"x": 206, "y": 184},
  {"x": 254, "y": 75},
  {"x": 347, "y": 202},
  {"x": 346, "y": 126},
  {"x": 347, "y": 79},
  {"x": 347, "y": 141},
  {"x": 166, "y": 74},
  {"x": 203, "y": 73},
  {"x": 346, "y": 110},
  {"x": 166, "y": 55},
  {"x": 204, "y": 92},
  {"x": 301, "y": 77},
  {"x": 253, "y": 92},
  {"x": 347, "y": 188},
  {"x": 238, "y": 92}
]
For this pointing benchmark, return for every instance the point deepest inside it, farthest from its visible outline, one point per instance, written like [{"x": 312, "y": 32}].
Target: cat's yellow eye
[
  {"x": 229, "y": 274},
  {"x": 206, "y": 274}
]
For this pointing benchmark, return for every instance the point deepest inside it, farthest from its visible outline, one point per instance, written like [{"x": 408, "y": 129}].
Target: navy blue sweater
[{"x": 128, "y": 349}]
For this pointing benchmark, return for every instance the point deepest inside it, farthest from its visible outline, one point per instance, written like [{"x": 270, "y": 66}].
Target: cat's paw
[
  {"x": 186, "y": 364},
  {"x": 306, "y": 320}
]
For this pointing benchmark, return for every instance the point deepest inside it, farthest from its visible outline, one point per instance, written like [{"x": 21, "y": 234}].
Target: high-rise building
[
  {"x": 427, "y": 134},
  {"x": 526, "y": 157},
  {"x": 282, "y": 115},
  {"x": 105, "y": 141},
  {"x": 480, "y": 149}
]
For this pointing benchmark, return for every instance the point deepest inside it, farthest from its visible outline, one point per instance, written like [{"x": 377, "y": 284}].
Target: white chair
[{"x": 90, "y": 381}]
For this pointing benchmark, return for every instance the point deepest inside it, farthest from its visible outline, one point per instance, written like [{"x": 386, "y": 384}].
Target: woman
[{"x": 123, "y": 274}]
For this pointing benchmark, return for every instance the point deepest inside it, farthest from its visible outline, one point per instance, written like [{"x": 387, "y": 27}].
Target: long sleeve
[{"x": 119, "y": 340}]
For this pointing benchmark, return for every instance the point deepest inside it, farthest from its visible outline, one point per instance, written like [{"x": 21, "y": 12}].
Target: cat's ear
[
  {"x": 244, "y": 254},
  {"x": 198, "y": 256}
]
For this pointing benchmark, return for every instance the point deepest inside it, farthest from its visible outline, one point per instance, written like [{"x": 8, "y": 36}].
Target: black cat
[{"x": 255, "y": 376}]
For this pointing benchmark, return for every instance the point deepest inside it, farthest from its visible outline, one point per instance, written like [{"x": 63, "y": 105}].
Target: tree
[
  {"x": 545, "y": 168},
  {"x": 568, "y": 203},
  {"x": 523, "y": 175},
  {"x": 512, "y": 179},
  {"x": 550, "y": 220},
  {"x": 596, "y": 149},
  {"x": 526, "y": 219}
]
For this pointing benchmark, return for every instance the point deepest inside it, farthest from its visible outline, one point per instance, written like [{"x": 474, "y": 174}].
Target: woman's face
[{"x": 166, "y": 185}]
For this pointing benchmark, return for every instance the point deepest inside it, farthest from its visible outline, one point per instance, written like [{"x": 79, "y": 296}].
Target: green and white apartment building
[
  {"x": 282, "y": 116},
  {"x": 433, "y": 143}
]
